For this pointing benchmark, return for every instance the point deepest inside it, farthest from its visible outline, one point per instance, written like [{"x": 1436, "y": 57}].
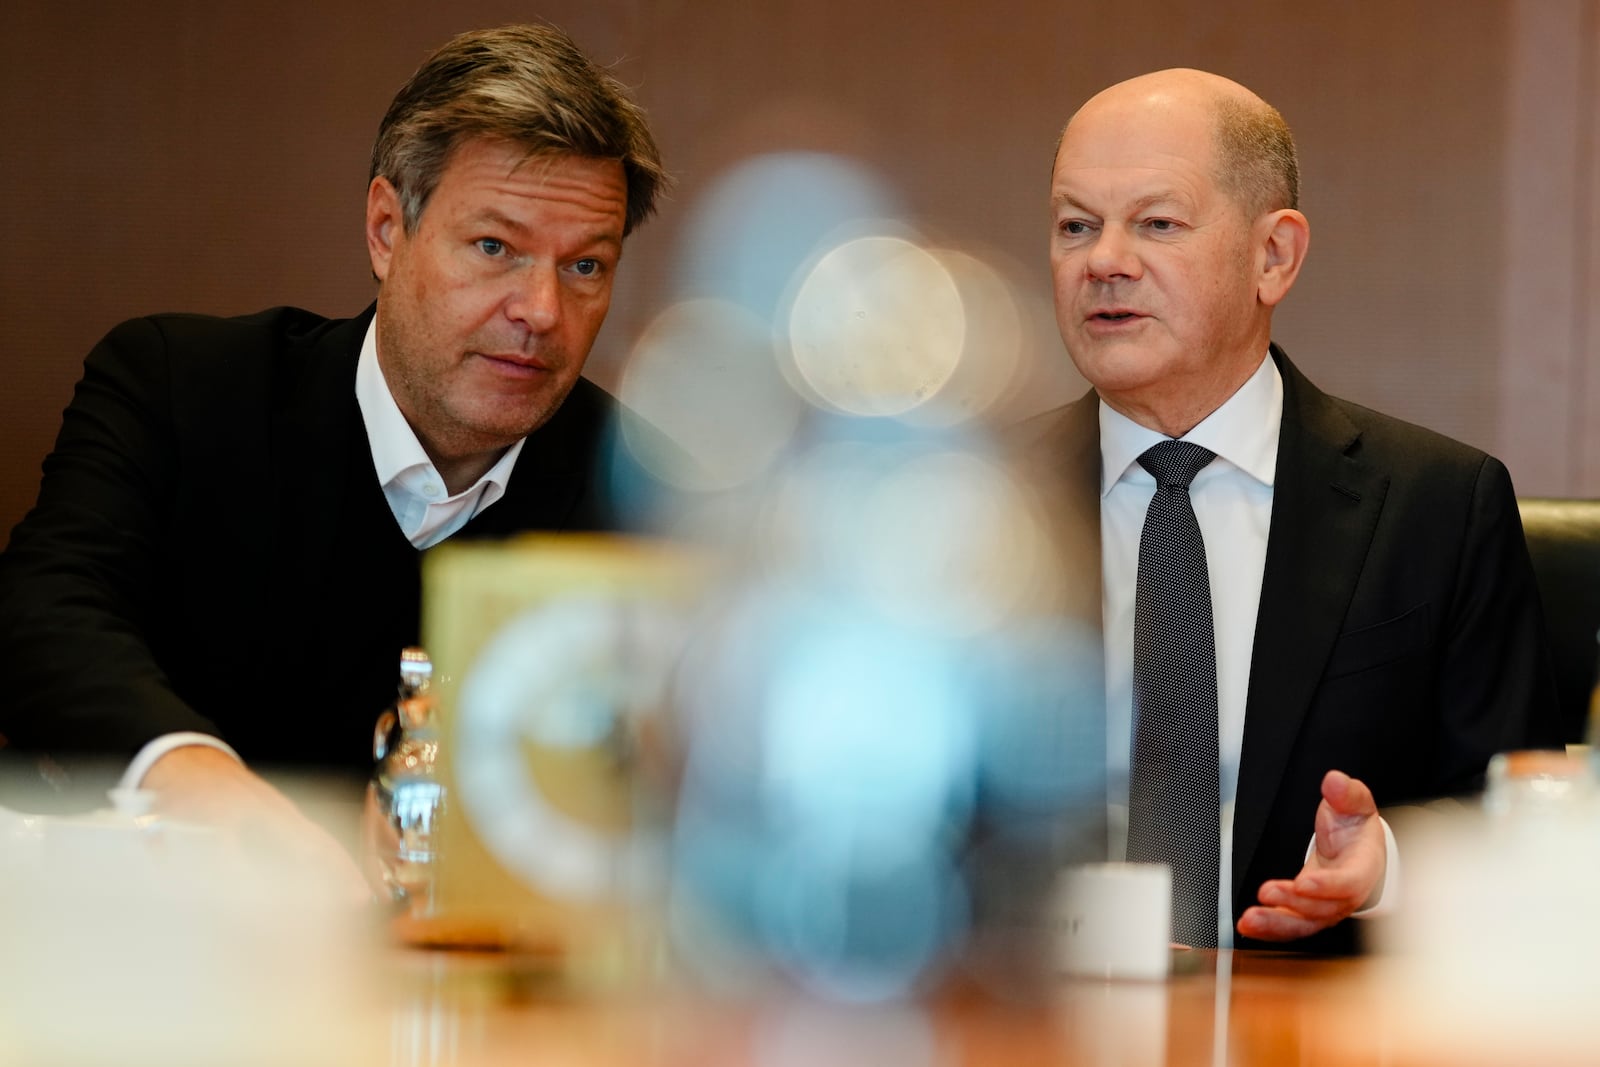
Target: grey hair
[{"x": 1256, "y": 158}]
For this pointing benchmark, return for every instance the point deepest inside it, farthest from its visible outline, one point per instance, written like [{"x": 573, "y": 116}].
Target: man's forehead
[
  {"x": 487, "y": 175},
  {"x": 1176, "y": 90},
  {"x": 1153, "y": 134}
]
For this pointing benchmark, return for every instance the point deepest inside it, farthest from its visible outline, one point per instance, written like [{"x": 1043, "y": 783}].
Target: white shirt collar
[
  {"x": 404, "y": 470},
  {"x": 1243, "y": 431},
  {"x": 395, "y": 448}
]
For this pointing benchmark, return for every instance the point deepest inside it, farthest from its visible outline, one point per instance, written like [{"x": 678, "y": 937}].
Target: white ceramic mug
[{"x": 1114, "y": 920}]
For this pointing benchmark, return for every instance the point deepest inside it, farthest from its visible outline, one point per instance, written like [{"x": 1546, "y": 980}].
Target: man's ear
[
  {"x": 1284, "y": 237},
  {"x": 385, "y": 225}
]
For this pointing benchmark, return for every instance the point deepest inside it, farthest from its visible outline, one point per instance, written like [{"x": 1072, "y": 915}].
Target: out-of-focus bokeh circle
[
  {"x": 703, "y": 375},
  {"x": 933, "y": 533},
  {"x": 992, "y": 349},
  {"x": 769, "y": 216},
  {"x": 876, "y": 327}
]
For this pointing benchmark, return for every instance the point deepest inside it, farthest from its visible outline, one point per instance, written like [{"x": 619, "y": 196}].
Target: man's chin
[
  {"x": 509, "y": 426},
  {"x": 1115, "y": 365}
]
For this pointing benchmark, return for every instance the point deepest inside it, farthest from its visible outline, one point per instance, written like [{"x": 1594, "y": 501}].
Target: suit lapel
[
  {"x": 1325, "y": 508},
  {"x": 1077, "y": 446},
  {"x": 1061, "y": 449}
]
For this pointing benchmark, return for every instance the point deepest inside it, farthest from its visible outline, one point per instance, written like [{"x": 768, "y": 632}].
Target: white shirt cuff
[
  {"x": 1385, "y": 900},
  {"x": 133, "y": 777}
]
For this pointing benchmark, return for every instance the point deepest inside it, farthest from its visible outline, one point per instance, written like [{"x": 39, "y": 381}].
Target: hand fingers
[
  {"x": 1273, "y": 924},
  {"x": 1347, "y": 796},
  {"x": 341, "y": 873},
  {"x": 294, "y": 847},
  {"x": 1346, "y": 813},
  {"x": 1281, "y": 896},
  {"x": 1351, "y": 875},
  {"x": 1304, "y": 887},
  {"x": 1336, "y": 880}
]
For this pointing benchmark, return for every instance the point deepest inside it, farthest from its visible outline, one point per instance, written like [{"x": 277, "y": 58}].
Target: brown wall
[{"x": 212, "y": 157}]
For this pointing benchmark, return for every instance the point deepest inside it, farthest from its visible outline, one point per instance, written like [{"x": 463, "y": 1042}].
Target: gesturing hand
[{"x": 1344, "y": 871}]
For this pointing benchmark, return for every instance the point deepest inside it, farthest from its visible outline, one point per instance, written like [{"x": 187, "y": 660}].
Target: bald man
[{"x": 1377, "y": 632}]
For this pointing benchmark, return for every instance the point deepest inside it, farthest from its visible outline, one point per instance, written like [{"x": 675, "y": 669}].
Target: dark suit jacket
[
  {"x": 1399, "y": 637},
  {"x": 211, "y": 549}
]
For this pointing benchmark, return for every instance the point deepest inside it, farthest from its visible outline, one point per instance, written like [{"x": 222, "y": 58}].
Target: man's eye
[
  {"x": 1074, "y": 227},
  {"x": 587, "y": 267},
  {"x": 1162, "y": 225},
  {"x": 490, "y": 246}
]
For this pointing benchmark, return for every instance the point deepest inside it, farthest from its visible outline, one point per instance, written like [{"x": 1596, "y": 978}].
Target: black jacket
[
  {"x": 211, "y": 549},
  {"x": 1399, "y": 636}
]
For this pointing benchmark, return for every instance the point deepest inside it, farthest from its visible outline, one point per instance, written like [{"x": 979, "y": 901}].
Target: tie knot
[{"x": 1175, "y": 463}]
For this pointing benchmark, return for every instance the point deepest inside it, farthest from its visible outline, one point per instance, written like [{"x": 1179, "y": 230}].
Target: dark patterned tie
[{"x": 1174, "y": 796}]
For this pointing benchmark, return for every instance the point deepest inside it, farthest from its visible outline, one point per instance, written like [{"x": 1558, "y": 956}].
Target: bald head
[
  {"x": 1172, "y": 240},
  {"x": 1254, "y": 155}
]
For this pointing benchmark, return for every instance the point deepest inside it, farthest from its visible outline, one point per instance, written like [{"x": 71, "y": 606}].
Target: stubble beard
[
  {"x": 451, "y": 420},
  {"x": 473, "y": 424}
]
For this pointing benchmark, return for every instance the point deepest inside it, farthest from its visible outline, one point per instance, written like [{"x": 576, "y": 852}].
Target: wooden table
[
  {"x": 1235, "y": 1008},
  {"x": 104, "y": 963}
]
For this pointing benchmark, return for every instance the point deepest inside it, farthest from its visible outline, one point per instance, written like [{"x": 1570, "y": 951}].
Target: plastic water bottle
[{"x": 405, "y": 796}]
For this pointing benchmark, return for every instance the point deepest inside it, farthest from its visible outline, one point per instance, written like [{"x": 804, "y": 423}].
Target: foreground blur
[
  {"x": 881, "y": 724},
  {"x": 129, "y": 940}
]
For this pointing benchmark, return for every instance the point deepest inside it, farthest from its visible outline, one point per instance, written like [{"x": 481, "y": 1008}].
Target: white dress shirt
[
  {"x": 411, "y": 485},
  {"x": 1232, "y": 500}
]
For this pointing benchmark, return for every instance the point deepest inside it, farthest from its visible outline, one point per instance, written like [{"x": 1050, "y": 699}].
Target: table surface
[
  {"x": 1234, "y": 1008},
  {"x": 109, "y": 960}
]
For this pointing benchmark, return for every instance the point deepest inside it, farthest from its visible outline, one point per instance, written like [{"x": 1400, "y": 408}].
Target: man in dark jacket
[
  {"x": 1309, "y": 608},
  {"x": 222, "y": 565}
]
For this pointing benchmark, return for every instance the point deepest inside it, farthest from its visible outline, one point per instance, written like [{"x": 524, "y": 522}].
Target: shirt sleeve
[
  {"x": 1385, "y": 899},
  {"x": 147, "y": 756}
]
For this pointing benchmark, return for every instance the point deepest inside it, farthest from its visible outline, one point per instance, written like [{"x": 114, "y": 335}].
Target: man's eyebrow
[
  {"x": 1059, "y": 200},
  {"x": 1150, "y": 200}
]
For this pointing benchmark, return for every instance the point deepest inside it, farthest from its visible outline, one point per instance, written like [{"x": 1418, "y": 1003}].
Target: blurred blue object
[{"x": 871, "y": 708}]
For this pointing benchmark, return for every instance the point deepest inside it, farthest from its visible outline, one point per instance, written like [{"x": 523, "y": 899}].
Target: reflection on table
[
  {"x": 127, "y": 947},
  {"x": 1234, "y": 1008}
]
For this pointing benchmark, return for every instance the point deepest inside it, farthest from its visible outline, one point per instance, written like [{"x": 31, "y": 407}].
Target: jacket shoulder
[
  {"x": 212, "y": 336},
  {"x": 1394, "y": 432},
  {"x": 1364, "y": 434},
  {"x": 1416, "y": 454},
  {"x": 183, "y": 340}
]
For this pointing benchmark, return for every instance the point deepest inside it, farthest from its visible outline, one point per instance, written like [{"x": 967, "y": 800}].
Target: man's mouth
[
  {"x": 1114, "y": 316},
  {"x": 517, "y": 362}
]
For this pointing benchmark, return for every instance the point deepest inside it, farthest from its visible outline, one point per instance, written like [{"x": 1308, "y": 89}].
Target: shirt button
[{"x": 431, "y": 489}]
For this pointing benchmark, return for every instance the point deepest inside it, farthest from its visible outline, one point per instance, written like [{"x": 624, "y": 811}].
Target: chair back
[{"x": 1564, "y": 541}]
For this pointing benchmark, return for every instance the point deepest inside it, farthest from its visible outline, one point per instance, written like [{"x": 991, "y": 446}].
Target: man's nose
[
  {"x": 536, "y": 298},
  {"x": 1113, "y": 256}
]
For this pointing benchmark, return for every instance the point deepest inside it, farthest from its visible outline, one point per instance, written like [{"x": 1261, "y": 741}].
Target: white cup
[{"x": 1114, "y": 920}]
